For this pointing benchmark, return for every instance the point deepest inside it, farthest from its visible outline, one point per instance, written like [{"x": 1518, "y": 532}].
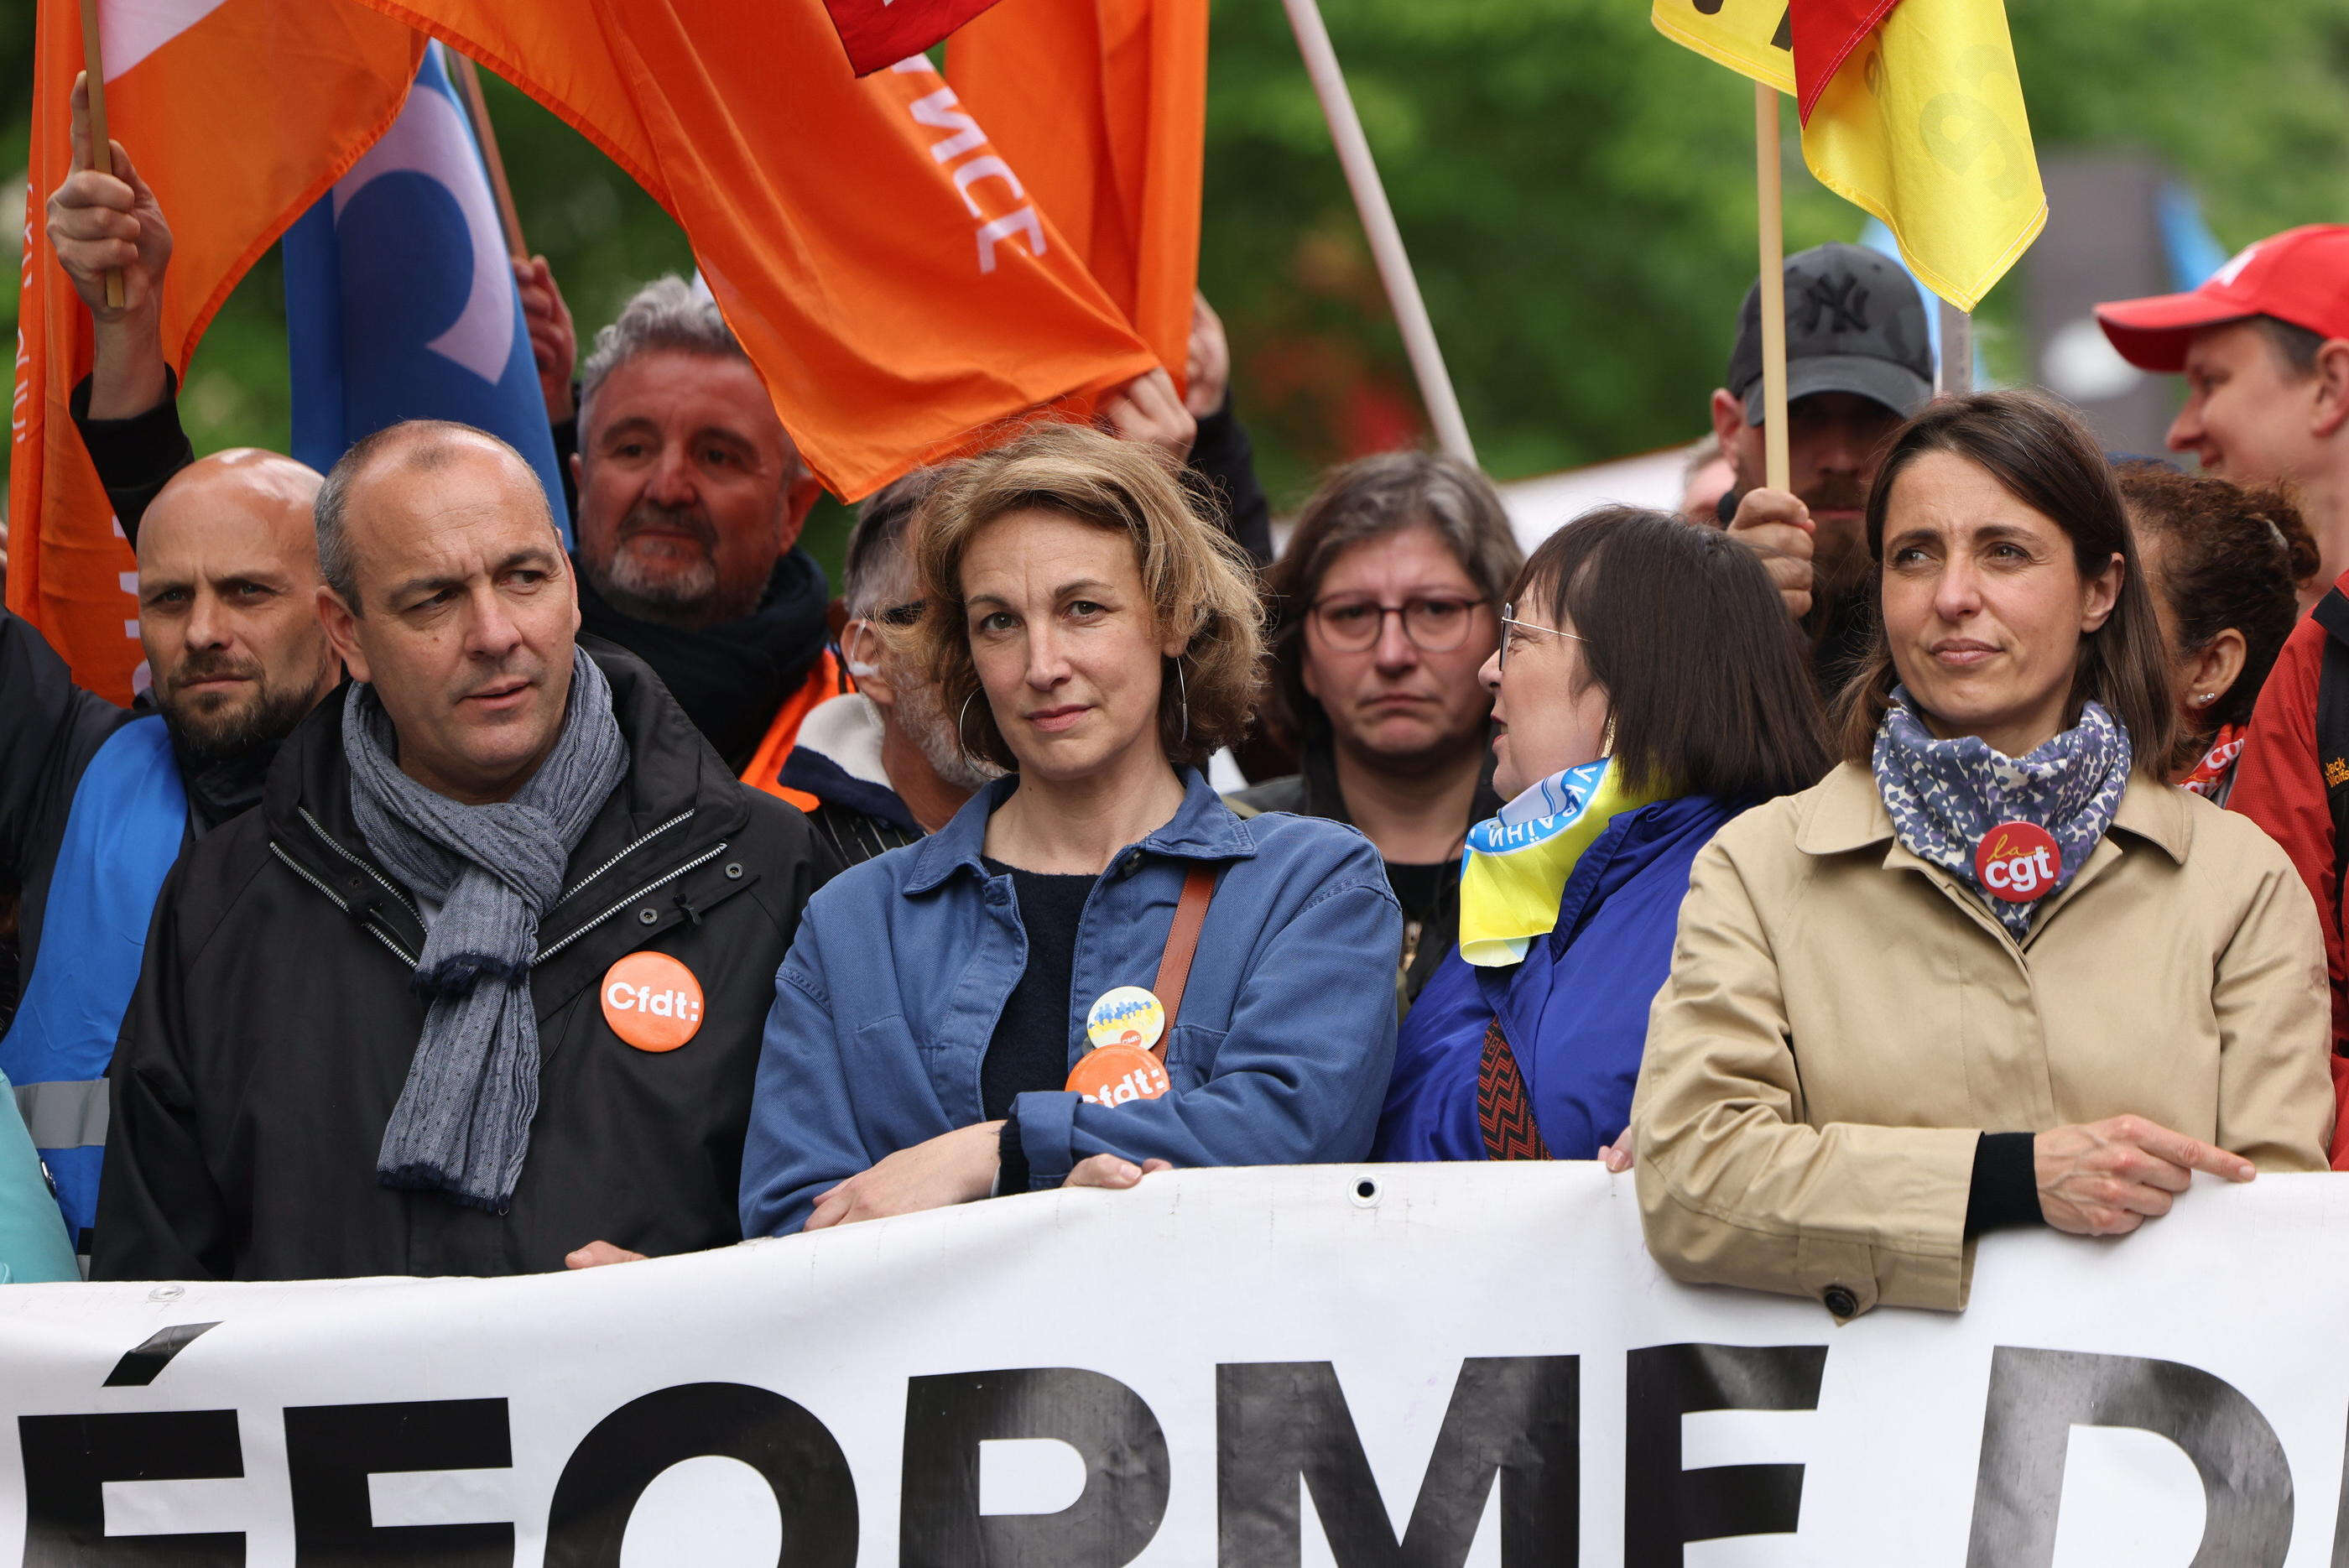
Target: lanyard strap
[{"x": 1182, "y": 947}]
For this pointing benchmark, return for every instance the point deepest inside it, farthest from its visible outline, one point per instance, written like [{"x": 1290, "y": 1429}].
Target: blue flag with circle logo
[{"x": 400, "y": 296}]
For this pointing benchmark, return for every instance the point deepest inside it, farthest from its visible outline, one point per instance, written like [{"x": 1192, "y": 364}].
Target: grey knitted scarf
[{"x": 462, "y": 1123}]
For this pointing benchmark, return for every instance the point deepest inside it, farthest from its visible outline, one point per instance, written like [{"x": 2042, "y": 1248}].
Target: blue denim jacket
[{"x": 885, "y": 1003}]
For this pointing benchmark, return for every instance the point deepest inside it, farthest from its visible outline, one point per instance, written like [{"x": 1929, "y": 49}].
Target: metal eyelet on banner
[{"x": 1364, "y": 1192}]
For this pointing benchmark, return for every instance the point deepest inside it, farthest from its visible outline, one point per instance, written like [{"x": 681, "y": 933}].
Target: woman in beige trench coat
[{"x": 1993, "y": 971}]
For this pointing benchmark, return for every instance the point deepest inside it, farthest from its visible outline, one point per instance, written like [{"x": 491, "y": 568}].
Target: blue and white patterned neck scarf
[{"x": 1943, "y": 796}]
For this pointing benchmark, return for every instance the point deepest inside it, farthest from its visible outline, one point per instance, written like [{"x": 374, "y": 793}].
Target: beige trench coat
[{"x": 1842, "y": 1021}]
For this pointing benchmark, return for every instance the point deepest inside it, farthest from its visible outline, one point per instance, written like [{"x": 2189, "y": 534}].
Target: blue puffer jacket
[
  {"x": 891, "y": 992},
  {"x": 1575, "y": 1012}
]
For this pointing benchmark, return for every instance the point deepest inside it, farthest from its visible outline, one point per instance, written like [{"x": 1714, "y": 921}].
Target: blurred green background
[{"x": 1576, "y": 192}]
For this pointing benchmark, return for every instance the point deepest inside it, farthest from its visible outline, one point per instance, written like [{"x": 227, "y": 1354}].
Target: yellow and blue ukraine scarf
[{"x": 1515, "y": 869}]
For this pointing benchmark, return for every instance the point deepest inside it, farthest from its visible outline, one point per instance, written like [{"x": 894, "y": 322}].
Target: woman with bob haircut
[
  {"x": 1622, "y": 754},
  {"x": 1993, "y": 970},
  {"x": 950, "y": 1020}
]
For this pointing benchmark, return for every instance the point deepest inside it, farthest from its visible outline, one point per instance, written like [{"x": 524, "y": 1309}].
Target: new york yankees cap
[{"x": 1854, "y": 323}]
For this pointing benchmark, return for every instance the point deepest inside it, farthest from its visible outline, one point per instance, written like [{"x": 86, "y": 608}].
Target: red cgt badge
[{"x": 2018, "y": 861}]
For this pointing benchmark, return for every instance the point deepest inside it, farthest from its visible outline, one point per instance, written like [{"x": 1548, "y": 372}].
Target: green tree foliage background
[{"x": 1576, "y": 192}]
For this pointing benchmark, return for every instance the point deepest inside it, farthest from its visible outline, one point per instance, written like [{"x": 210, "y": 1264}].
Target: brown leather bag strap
[{"x": 1182, "y": 947}]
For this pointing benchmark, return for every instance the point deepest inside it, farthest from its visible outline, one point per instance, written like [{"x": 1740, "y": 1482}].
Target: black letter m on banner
[{"x": 1516, "y": 1416}]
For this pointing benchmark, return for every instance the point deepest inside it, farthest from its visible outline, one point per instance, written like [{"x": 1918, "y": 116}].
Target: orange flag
[
  {"x": 886, "y": 269},
  {"x": 239, "y": 114},
  {"x": 1113, "y": 151}
]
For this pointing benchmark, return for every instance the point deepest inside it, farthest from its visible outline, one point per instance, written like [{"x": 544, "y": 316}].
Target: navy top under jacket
[
  {"x": 885, "y": 1006},
  {"x": 1574, "y": 1010}
]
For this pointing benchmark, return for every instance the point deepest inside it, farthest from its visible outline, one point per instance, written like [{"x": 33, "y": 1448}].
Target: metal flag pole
[{"x": 1379, "y": 225}]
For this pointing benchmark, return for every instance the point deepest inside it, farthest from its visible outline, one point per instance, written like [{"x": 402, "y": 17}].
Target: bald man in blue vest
[{"x": 97, "y": 800}]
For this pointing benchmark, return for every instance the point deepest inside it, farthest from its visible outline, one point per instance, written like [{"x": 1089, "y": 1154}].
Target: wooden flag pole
[
  {"x": 468, "y": 82},
  {"x": 101, "y": 144},
  {"x": 1379, "y": 225},
  {"x": 1775, "y": 467}
]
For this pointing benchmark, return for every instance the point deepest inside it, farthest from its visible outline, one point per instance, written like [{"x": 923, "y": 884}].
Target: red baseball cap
[{"x": 2301, "y": 276}]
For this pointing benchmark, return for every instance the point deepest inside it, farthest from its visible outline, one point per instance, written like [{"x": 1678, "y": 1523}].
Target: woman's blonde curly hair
[{"x": 1195, "y": 578}]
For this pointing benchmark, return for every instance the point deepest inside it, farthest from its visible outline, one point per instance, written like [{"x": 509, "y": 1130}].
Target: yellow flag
[
  {"x": 1752, "y": 37},
  {"x": 1922, "y": 125}
]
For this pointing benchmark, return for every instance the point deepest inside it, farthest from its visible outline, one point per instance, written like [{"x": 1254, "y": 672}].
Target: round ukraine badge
[
  {"x": 1127, "y": 1015},
  {"x": 2018, "y": 861}
]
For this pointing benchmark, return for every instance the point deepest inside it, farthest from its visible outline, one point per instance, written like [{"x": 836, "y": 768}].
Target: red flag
[
  {"x": 239, "y": 115},
  {"x": 1114, "y": 153},
  {"x": 1824, "y": 32},
  {"x": 877, "y": 33},
  {"x": 880, "y": 263}
]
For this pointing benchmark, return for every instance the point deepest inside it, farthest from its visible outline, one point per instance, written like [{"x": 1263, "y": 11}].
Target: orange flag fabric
[
  {"x": 239, "y": 114},
  {"x": 1113, "y": 152},
  {"x": 886, "y": 269}
]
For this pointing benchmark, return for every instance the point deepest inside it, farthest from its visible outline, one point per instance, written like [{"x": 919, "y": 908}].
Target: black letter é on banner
[
  {"x": 1519, "y": 1415},
  {"x": 1666, "y": 1507},
  {"x": 613, "y": 1465},
  {"x": 68, "y": 1459},
  {"x": 947, "y": 1418},
  {"x": 2037, "y": 1396}
]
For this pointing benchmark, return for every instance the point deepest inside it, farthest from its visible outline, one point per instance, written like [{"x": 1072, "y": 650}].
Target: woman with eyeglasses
[
  {"x": 1647, "y": 688},
  {"x": 1387, "y": 600},
  {"x": 1094, "y": 968}
]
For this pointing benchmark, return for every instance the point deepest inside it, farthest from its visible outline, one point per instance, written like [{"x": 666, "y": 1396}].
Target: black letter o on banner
[{"x": 790, "y": 1448}]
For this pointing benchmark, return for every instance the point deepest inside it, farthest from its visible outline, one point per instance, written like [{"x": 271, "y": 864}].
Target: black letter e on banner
[{"x": 1666, "y": 1507}]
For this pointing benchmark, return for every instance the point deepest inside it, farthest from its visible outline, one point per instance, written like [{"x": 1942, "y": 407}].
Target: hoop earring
[
  {"x": 960, "y": 739},
  {"x": 1182, "y": 690}
]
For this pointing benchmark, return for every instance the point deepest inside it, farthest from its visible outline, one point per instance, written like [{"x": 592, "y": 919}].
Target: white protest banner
[{"x": 1414, "y": 1367}]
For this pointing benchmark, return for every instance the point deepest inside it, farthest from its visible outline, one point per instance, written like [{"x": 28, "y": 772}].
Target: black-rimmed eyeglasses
[{"x": 1435, "y": 624}]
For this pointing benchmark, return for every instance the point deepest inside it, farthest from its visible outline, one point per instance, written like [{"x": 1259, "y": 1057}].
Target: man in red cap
[{"x": 2264, "y": 347}]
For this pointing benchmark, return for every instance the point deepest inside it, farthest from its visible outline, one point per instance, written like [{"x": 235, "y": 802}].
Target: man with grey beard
[
  {"x": 878, "y": 767},
  {"x": 691, "y": 499}
]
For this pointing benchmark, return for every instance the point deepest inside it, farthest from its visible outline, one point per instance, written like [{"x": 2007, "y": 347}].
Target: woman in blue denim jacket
[{"x": 1097, "y": 640}]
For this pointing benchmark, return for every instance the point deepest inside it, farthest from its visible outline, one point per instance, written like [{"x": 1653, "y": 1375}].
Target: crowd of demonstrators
[
  {"x": 416, "y": 932},
  {"x": 2225, "y": 566},
  {"x": 1622, "y": 754},
  {"x": 424, "y": 1010},
  {"x": 1858, "y": 362},
  {"x": 1387, "y": 604},
  {"x": 2001, "y": 842},
  {"x": 1098, "y": 640}
]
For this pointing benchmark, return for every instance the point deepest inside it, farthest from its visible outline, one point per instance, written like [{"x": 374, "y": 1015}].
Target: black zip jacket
[{"x": 274, "y": 1025}]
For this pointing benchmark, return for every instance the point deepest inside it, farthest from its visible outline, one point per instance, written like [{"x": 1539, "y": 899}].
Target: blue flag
[{"x": 400, "y": 301}]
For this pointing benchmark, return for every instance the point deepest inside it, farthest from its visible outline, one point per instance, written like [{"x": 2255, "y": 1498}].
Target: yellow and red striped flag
[{"x": 1911, "y": 110}]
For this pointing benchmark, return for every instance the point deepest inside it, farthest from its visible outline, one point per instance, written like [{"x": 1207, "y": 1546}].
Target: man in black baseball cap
[{"x": 1859, "y": 361}]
